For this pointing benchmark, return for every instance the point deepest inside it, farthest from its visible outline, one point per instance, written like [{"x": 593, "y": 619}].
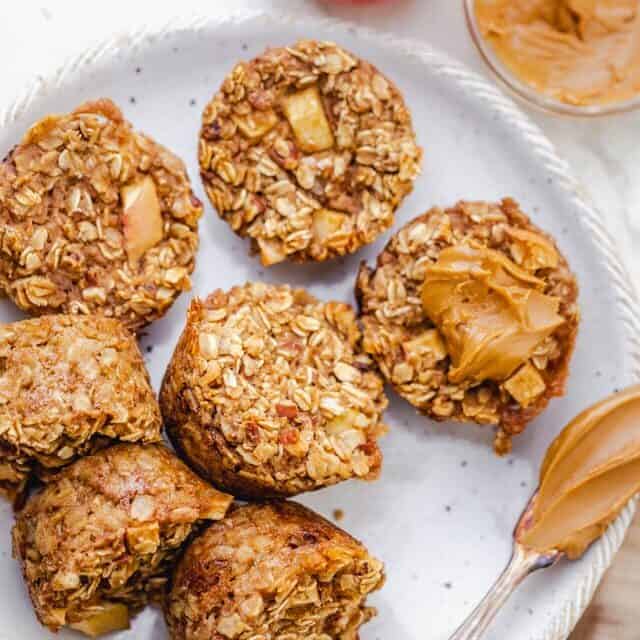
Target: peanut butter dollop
[
  {"x": 589, "y": 474},
  {"x": 580, "y": 52},
  {"x": 491, "y": 313}
]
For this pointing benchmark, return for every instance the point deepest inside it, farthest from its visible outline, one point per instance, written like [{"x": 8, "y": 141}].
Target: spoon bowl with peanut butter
[{"x": 589, "y": 473}]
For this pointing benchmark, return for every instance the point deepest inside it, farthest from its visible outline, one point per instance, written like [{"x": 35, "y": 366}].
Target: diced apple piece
[
  {"x": 531, "y": 250},
  {"x": 143, "y": 538},
  {"x": 347, "y": 432},
  {"x": 141, "y": 218},
  {"x": 525, "y": 385},
  {"x": 113, "y": 616},
  {"x": 58, "y": 615},
  {"x": 326, "y": 223},
  {"x": 256, "y": 124},
  {"x": 428, "y": 343},
  {"x": 350, "y": 419},
  {"x": 218, "y": 506},
  {"x": 305, "y": 113},
  {"x": 271, "y": 252}
]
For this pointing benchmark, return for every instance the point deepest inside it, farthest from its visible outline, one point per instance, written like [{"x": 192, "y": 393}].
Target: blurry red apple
[{"x": 357, "y": 2}]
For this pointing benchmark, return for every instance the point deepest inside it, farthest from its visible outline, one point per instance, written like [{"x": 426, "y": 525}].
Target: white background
[{"x": 36, "y": 36}]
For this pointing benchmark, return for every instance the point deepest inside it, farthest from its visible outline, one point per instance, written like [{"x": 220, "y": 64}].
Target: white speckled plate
[{"x": 442, "y": 513}]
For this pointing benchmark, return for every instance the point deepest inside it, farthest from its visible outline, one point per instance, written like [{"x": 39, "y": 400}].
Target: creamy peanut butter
[
  {"x": 580, "y": 52},
  {"x": 491, "y": 312},
  {"x": 590, "y": 472}
]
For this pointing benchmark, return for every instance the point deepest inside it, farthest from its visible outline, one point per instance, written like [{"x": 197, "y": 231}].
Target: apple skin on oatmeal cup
[
  {"x": 95, "y": 218},
  {"x": 308, "y": 151},
  {"x": 471, "y": 314}
]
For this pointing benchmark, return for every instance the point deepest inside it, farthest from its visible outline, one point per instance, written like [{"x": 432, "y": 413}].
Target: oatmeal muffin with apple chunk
[
  {"x": 68, "y": 386},
  {"x": 95, "y": 218},
  {"x": 272, "y": 571},
  {"x": 268, "y": 393},
  {"x": 308, "y": 151},
  {"x": 97, "y": 542},
  {"x": 471, "y": 314}
]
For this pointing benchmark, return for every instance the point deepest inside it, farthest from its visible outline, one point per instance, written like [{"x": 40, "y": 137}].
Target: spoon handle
[{"x": 523, "y": 562}]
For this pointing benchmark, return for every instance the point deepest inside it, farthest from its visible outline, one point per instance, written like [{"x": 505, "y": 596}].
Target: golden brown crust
[
  {"x": 272, "y": 571},
  {"x": 69, "y": 384},
  {"x": 269, "y": 185},
  {"x": 268, "y": 393},
  {"x": 66, "y": 243},
  {"x": 106, "y": 529},
  {"x": 392, "y": 315}
]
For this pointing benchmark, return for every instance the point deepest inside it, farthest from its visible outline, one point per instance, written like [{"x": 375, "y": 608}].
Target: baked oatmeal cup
[
  {"x": 95, "y": 218},
  {"x": 268, "y": 393},
  {"x": 68, "y": 385},
  {"x": 97, "y": 543},
  {"x": 281, "y": 571},
  {"x": 471, "y": 314},
  {"x": 308, "y": 151}
]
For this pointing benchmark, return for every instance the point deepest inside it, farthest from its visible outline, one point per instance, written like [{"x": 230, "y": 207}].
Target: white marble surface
[{"x": 36, "y": 36}]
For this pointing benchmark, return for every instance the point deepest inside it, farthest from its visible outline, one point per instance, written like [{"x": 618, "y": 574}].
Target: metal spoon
[{"x": 524, "y": 561}]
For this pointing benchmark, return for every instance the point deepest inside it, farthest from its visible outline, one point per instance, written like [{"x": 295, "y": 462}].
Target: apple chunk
[
  {"x": 141, "y": 218},
  {"x": 305, "y": 113},
  {"x": 526, "y": 385},
  {"x": 271, "y": 251},
  {"x": 326, "y": 223},
  {"x": 113, "y": 616},
  {"x": 428, "y": 343},
  {"x": 256, "y": 125}
]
